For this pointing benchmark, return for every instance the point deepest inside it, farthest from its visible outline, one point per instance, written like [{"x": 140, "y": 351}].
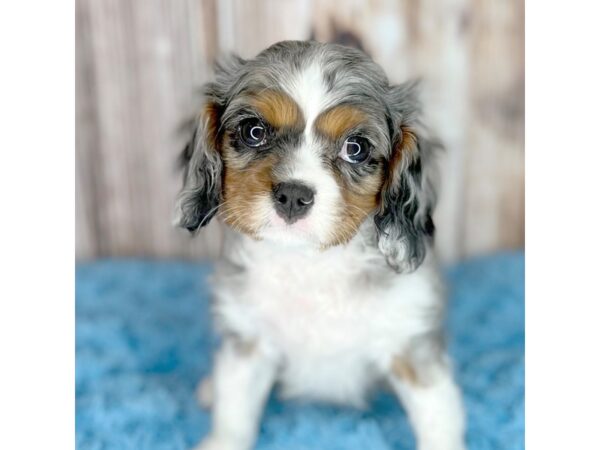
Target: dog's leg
[
  {"x": 432, "y": 401},
  {"x": 241, "y": 381}
]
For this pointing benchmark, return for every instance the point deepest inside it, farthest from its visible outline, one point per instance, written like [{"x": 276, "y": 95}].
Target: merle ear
[
  {"x": 200, "y": 197},
  {"x": 403, "y": 221}
]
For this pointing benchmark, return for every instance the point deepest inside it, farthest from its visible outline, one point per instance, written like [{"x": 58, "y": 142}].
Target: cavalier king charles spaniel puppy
[{"x": 328, "y": 285}]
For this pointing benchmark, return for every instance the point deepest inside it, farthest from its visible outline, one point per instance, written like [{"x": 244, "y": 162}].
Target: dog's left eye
[
  {"x": 355, "y": 150},
  {"x": 253, "y": 132}
]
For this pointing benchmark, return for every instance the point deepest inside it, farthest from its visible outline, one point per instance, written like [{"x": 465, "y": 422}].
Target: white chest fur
[{"x": 336, "y": 318}]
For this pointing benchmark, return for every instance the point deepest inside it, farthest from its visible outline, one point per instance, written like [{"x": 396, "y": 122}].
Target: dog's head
[{"x": 303, "y": 144}]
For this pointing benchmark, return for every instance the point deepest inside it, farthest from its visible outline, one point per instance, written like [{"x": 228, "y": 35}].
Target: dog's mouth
[{"x": 295, "y": 232}]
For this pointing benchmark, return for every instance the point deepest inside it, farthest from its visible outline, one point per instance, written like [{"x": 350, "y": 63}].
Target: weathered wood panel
[
  {"x": 494, "y": 184},
  {"x": 138, "y": 64}
]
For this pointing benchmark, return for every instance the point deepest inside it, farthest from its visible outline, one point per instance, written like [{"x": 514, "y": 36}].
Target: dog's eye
[
  {"x": 355, "y": 150},
  {"x": 253, "y": 132}
]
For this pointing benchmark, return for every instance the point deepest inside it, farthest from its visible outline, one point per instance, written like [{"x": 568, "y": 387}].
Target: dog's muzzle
[{"x": 292, "y": 200}]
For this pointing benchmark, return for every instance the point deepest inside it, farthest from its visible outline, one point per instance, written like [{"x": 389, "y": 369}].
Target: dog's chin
[{"x": 300, "y": 234}]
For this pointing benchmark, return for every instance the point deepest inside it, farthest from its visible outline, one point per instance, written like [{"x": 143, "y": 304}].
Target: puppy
[{"x": 327, "y": 285}]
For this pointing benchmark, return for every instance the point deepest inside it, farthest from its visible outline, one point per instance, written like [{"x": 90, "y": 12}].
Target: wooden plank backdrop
[{"x": 138, "y": 63}]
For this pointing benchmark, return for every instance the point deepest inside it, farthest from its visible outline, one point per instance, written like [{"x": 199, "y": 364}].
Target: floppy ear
[
  {"x": 200, "y": 196},
  {"x": 403, "y": 221}
]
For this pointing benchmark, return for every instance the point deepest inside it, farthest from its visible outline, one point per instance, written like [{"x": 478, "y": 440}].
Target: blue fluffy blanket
[{"x": 144, "y": 340}]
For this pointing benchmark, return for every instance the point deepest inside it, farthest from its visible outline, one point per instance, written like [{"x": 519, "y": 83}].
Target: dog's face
[{"x": 303, "y": 144}]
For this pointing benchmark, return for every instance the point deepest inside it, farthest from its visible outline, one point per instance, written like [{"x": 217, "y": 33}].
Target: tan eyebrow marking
[
  {"x": 336, "y": 121},
  {"x": 277, "y": 108}
]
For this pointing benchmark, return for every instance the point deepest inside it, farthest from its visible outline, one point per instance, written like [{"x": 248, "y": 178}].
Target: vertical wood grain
[
  {"x": 87, "y": 233},
  {"x": 138, "y": 66},
  {"x": 494, "y": 162}
]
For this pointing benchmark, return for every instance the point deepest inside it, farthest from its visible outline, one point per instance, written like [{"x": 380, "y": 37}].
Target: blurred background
[{"x": 138, "y": 64}]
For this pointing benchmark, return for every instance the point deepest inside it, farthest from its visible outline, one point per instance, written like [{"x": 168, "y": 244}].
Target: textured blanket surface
[{"x": 144, "y": 339}]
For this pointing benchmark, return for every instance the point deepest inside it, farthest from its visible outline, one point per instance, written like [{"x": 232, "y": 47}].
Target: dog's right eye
[
  {"x": 253, "y": 132},
  {"x": 356, "y": 149}
]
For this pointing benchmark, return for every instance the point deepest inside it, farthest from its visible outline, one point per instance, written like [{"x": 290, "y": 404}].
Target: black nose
[{"x": 292, "y": 200}]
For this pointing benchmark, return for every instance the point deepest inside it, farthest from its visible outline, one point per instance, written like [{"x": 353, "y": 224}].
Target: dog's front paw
[{"x": 213, "y": 442}]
